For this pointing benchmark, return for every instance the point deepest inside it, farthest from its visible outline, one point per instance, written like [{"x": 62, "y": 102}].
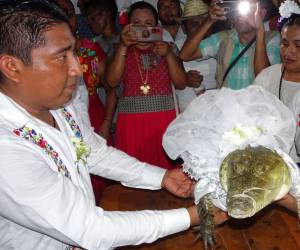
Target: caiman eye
[{"x": 238, "y": 168}]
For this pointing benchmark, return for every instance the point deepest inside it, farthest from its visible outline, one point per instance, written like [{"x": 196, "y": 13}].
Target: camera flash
[{"x": 244, "y": 7}]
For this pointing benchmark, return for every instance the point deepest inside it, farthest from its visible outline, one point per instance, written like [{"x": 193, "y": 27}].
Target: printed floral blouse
[{"x": 90, "y": 54}]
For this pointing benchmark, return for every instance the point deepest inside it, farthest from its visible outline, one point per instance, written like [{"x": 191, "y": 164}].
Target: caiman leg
[{"x": 206, "y": 214}]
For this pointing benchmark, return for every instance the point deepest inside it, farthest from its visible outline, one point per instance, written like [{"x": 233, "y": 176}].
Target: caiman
[{"x": 252, "y": 178}]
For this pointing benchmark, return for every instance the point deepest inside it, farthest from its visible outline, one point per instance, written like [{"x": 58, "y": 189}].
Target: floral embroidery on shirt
[
  {"x": 38, "y": 139},
  {"x": 73, "y": 125},
  {"x": 81, "y": 148}
]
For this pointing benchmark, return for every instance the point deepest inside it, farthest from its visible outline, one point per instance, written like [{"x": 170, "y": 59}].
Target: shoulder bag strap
[{"x": 236, "y": 60}]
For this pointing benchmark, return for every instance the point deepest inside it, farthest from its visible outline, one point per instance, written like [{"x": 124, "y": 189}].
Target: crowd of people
[{"x": 85, "y": 101}]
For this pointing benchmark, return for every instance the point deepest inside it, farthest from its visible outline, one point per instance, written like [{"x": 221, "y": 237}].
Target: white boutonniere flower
[
  {"x": 82, "y": 149},
  {"x": 288, "y": 8}
]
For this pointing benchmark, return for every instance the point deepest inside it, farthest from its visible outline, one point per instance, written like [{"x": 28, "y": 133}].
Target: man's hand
[
  {"x": 289, "y": 202},
  {"x": 161, "y": 48},
  {"x": 215, "y": 12},
  {"x": 194, "y": 78},
  {"x": 178, "y": 183},
  {"x": 256, "y": 18}
]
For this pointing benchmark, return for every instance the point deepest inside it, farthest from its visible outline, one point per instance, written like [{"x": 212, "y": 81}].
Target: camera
[
  {"x": 235, "y": 7},
  {"x": 148, "y": 33}
]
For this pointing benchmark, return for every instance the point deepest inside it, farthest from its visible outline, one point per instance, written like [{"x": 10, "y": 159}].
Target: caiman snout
[{"x": 241, "y": 207}]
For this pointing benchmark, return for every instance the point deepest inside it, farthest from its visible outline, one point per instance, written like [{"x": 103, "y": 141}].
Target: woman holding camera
[{"x": 147, "y": 71}]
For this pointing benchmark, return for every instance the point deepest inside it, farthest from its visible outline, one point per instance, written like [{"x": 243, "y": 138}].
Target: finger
[
  {"x": 126, "y": 28},
  {"x": 194, "y": 71},
  {"x": 195, "y": 75}
]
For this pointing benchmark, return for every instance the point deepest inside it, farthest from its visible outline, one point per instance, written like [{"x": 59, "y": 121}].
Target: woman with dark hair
[
  {"x": 147, "y": 70},
  {"x": 283, "y": 80}
]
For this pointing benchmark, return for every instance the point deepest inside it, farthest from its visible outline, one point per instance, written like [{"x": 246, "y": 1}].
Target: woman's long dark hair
[{"x": 294, "y": 19}]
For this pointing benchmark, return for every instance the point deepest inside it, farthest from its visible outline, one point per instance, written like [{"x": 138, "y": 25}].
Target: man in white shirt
[
  {"x": 168, "y": 12},
  {"x": 47, "y": 152},
  {"x": 194, "y": 15}
]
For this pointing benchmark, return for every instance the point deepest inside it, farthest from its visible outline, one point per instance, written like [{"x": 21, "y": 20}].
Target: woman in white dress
[{"x": 283, "y": 80}]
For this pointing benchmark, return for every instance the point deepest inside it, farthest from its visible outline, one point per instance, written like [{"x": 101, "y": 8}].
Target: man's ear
[{"x": 11, "y": 67}]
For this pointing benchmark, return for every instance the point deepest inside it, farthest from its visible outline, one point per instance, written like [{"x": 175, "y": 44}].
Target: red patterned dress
[
  {"x": 146, "y": 107},
  {"x": 90, "y": 54}
]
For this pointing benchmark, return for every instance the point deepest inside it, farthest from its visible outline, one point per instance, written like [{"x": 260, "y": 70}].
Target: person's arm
[
  {"x": 176, "y": 70},
  {"x": 110, "y": 104},
  {"x": 261, "y": 60},
  {"x": 36, "y": 197},
  {"x": 190, "y": 50},
  {"x": 116, "y": 65},
  {"x": 110, "y": 108},
  {"x": 289, "y": 202}
]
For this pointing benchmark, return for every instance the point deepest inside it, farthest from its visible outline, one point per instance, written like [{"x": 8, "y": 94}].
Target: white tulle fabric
[{"x": 221, "y": 121}]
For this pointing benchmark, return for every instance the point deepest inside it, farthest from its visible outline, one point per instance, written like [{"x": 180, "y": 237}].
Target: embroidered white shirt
[{"x": 42, "y": 209}]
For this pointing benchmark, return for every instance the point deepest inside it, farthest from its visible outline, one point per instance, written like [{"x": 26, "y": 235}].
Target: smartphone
[
  {"x": 235, "y": 7},
  {"x": 148, "y": 33},
  {"x": 228, "y": 6}
]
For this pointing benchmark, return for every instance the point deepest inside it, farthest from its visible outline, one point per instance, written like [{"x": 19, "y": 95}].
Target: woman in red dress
[{"x": 147, "y": 71}]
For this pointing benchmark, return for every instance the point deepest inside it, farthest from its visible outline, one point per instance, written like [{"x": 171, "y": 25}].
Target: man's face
[
  {"x": 290, "y": 48},
  {"x": 51, "y": 79},
  {"x": 97, "y": 20},
  {"x": 244, "y": 23},
  {"x": 193, "y": 24},
  {"x": 168, "y": 10}
]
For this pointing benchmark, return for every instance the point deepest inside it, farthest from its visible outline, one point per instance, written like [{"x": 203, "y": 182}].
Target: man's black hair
[
  {"x": 177, "y": 2},
  {"x": 23, "y": 24},
  {"x": 143, "y": 5},
  {"x": 101, "y": 6}
]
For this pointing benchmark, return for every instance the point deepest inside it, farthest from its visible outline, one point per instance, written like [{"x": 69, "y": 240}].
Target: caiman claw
[{"x": 206, "y": 227}]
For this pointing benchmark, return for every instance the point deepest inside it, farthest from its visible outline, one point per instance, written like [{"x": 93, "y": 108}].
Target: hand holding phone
[
  {"x": 216, "y": 12},
  {"x": 161, "y": 48},
  {"x": 128, "y": 37}
]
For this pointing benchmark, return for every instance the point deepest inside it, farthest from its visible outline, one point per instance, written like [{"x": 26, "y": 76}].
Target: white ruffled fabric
[{"x": 221, "y": 121}]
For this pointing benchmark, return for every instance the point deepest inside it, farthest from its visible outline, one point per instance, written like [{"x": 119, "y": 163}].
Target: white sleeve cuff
[
  {"x": 175, "y": 221},
  {"x": 153, "y": 177}
]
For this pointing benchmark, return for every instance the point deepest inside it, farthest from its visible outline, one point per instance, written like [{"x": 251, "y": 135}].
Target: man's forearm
[{"x": 190, "y": 49}]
